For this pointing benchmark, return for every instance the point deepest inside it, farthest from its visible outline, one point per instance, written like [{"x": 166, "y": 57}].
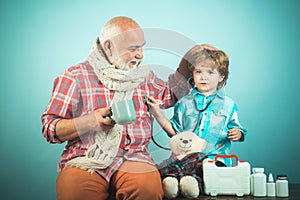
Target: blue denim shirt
[{"x": 211, "y": 124}]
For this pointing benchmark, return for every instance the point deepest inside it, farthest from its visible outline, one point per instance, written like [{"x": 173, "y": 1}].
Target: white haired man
[{"x": 101, "y": 155}]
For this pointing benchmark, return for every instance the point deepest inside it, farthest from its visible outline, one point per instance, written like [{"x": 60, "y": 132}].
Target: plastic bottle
[
  {"x": 282, "y": 186},
  {"x": 271, "y": 186},
  {"x": 251, "y": 182},
  {"x": 259, "y": 183}
]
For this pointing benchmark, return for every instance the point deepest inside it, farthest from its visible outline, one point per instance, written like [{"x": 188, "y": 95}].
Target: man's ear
[{"x": 108, "y": 48}]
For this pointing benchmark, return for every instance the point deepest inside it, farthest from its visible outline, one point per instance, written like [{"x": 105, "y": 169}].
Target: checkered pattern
[
  {"x": 190, "y": 165},
  {"x": 78, "y": 91}
]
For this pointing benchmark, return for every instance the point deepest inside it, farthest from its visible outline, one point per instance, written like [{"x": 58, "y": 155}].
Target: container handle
[{"x": 227, "y": 156}]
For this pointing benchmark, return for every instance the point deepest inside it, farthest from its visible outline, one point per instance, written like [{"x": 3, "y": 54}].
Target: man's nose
[{"x": 139, "y": 53}]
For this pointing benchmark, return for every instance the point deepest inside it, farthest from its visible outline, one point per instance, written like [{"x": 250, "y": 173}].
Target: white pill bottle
[
  {"x": 271, "y": 187},
  {"x": 259, "y": 182},
  {"x": 282, "y": 186}
]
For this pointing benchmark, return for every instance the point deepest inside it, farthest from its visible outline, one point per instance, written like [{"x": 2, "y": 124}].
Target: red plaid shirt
[{"x": 78, "y": 91}]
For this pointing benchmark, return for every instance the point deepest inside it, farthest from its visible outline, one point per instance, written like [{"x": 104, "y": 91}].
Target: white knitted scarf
[{"x": 102, "y": 153}]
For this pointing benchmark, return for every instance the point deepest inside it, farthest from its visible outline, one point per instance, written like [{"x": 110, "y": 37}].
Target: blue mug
[{"x": 123, "y": 112}]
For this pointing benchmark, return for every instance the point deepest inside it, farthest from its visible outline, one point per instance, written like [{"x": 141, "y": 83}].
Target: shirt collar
[{"x": 219, "y": 93}]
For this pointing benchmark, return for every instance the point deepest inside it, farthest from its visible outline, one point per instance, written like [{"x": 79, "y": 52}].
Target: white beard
[{"x": 127, "y": 66}]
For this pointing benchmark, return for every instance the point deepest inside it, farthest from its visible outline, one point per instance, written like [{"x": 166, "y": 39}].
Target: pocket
[
  {"x": 190, "y": 121},
  {"x": 217, "y": 126},
  {"x": 218, "y": 119}
]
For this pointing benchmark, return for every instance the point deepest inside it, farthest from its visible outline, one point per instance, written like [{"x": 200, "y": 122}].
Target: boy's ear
[
  {"x": 221, "y": 78},
  {"x": 191, "y": 81}
]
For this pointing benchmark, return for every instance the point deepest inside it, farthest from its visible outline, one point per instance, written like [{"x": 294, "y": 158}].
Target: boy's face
[{"x": 206, "y": 78}]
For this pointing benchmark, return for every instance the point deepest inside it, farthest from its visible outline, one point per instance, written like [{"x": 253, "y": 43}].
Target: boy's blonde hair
[{"x": 218, "y": 58}]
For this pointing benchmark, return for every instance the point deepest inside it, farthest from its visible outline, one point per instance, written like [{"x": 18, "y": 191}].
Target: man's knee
[
  {"x": 150, "y": 189},
  {"x": 138, "y": 184},
  {"x": 73, "y": 184},
  {"x": 140, "y": 190}
]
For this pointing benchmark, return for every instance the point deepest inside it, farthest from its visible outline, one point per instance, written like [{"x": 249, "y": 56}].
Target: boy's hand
[
  {"x": 234, "y": 134},
  {"x": 153, "y": 106}
]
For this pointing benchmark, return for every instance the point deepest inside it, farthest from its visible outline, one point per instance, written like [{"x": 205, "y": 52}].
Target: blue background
[{"x": 40, "y": 39}]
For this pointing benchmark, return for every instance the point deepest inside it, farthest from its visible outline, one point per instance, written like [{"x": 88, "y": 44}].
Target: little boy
[{"x": 206, "y": 111}]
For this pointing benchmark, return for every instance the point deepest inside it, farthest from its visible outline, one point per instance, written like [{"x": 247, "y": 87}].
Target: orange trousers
[{"x": 134, "y": 180}]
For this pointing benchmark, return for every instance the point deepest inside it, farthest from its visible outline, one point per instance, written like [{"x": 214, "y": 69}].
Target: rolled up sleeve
[{"x": 61, "y": 105}]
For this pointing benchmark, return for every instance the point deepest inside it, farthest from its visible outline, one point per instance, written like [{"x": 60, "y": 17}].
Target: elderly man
[{"x": 101, "y": 155}]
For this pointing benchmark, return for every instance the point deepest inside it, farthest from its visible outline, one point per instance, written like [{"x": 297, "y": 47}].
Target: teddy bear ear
[
  {"x": 172, "y": 140},
  {"x": 189, "y": 133},
  {"x": 202, "y": 143}
]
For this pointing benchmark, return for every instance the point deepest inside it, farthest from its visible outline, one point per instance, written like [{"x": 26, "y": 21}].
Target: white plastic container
[
  {"x": 251, "y": 182},
  {"x": 259, "y": 183},
  {"x": 226, "y": 180},
  {"x": 282, "y": 186},
  {"x": 271, "y": 186}
]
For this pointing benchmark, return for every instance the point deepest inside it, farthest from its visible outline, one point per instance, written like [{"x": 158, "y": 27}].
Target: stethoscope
[
  {"x": 198, "y": 120},
  {"x": 152, "y": 119},
  {"x": 201, "y": 111}
]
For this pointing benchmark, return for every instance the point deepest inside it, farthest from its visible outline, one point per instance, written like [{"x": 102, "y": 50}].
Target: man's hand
[
  {"x": 208, "y": 47},
  {"x": 103, "y": 117},
  {"x": 98, "y": 120},
  {"x": 186, "y": 60}
]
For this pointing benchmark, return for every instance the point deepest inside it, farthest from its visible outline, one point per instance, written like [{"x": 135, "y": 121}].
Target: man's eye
[
  {"x": 131, "y": 49},
  {"x": 134, "y": 48}
]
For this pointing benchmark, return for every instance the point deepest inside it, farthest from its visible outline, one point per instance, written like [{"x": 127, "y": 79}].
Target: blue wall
[{"x": 39, "y": 39}]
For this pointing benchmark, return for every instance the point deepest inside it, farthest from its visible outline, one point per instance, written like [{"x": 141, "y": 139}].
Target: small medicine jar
[{"x": 282, "y": 186}]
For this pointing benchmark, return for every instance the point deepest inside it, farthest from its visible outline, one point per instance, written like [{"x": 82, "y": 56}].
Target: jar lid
[
  {"x": 282, "y": 176},
  {"x": 258, "y": 170}
]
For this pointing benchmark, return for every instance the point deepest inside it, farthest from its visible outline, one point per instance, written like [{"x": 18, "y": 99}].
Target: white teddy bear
[{"x": 181, "y": 173}]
